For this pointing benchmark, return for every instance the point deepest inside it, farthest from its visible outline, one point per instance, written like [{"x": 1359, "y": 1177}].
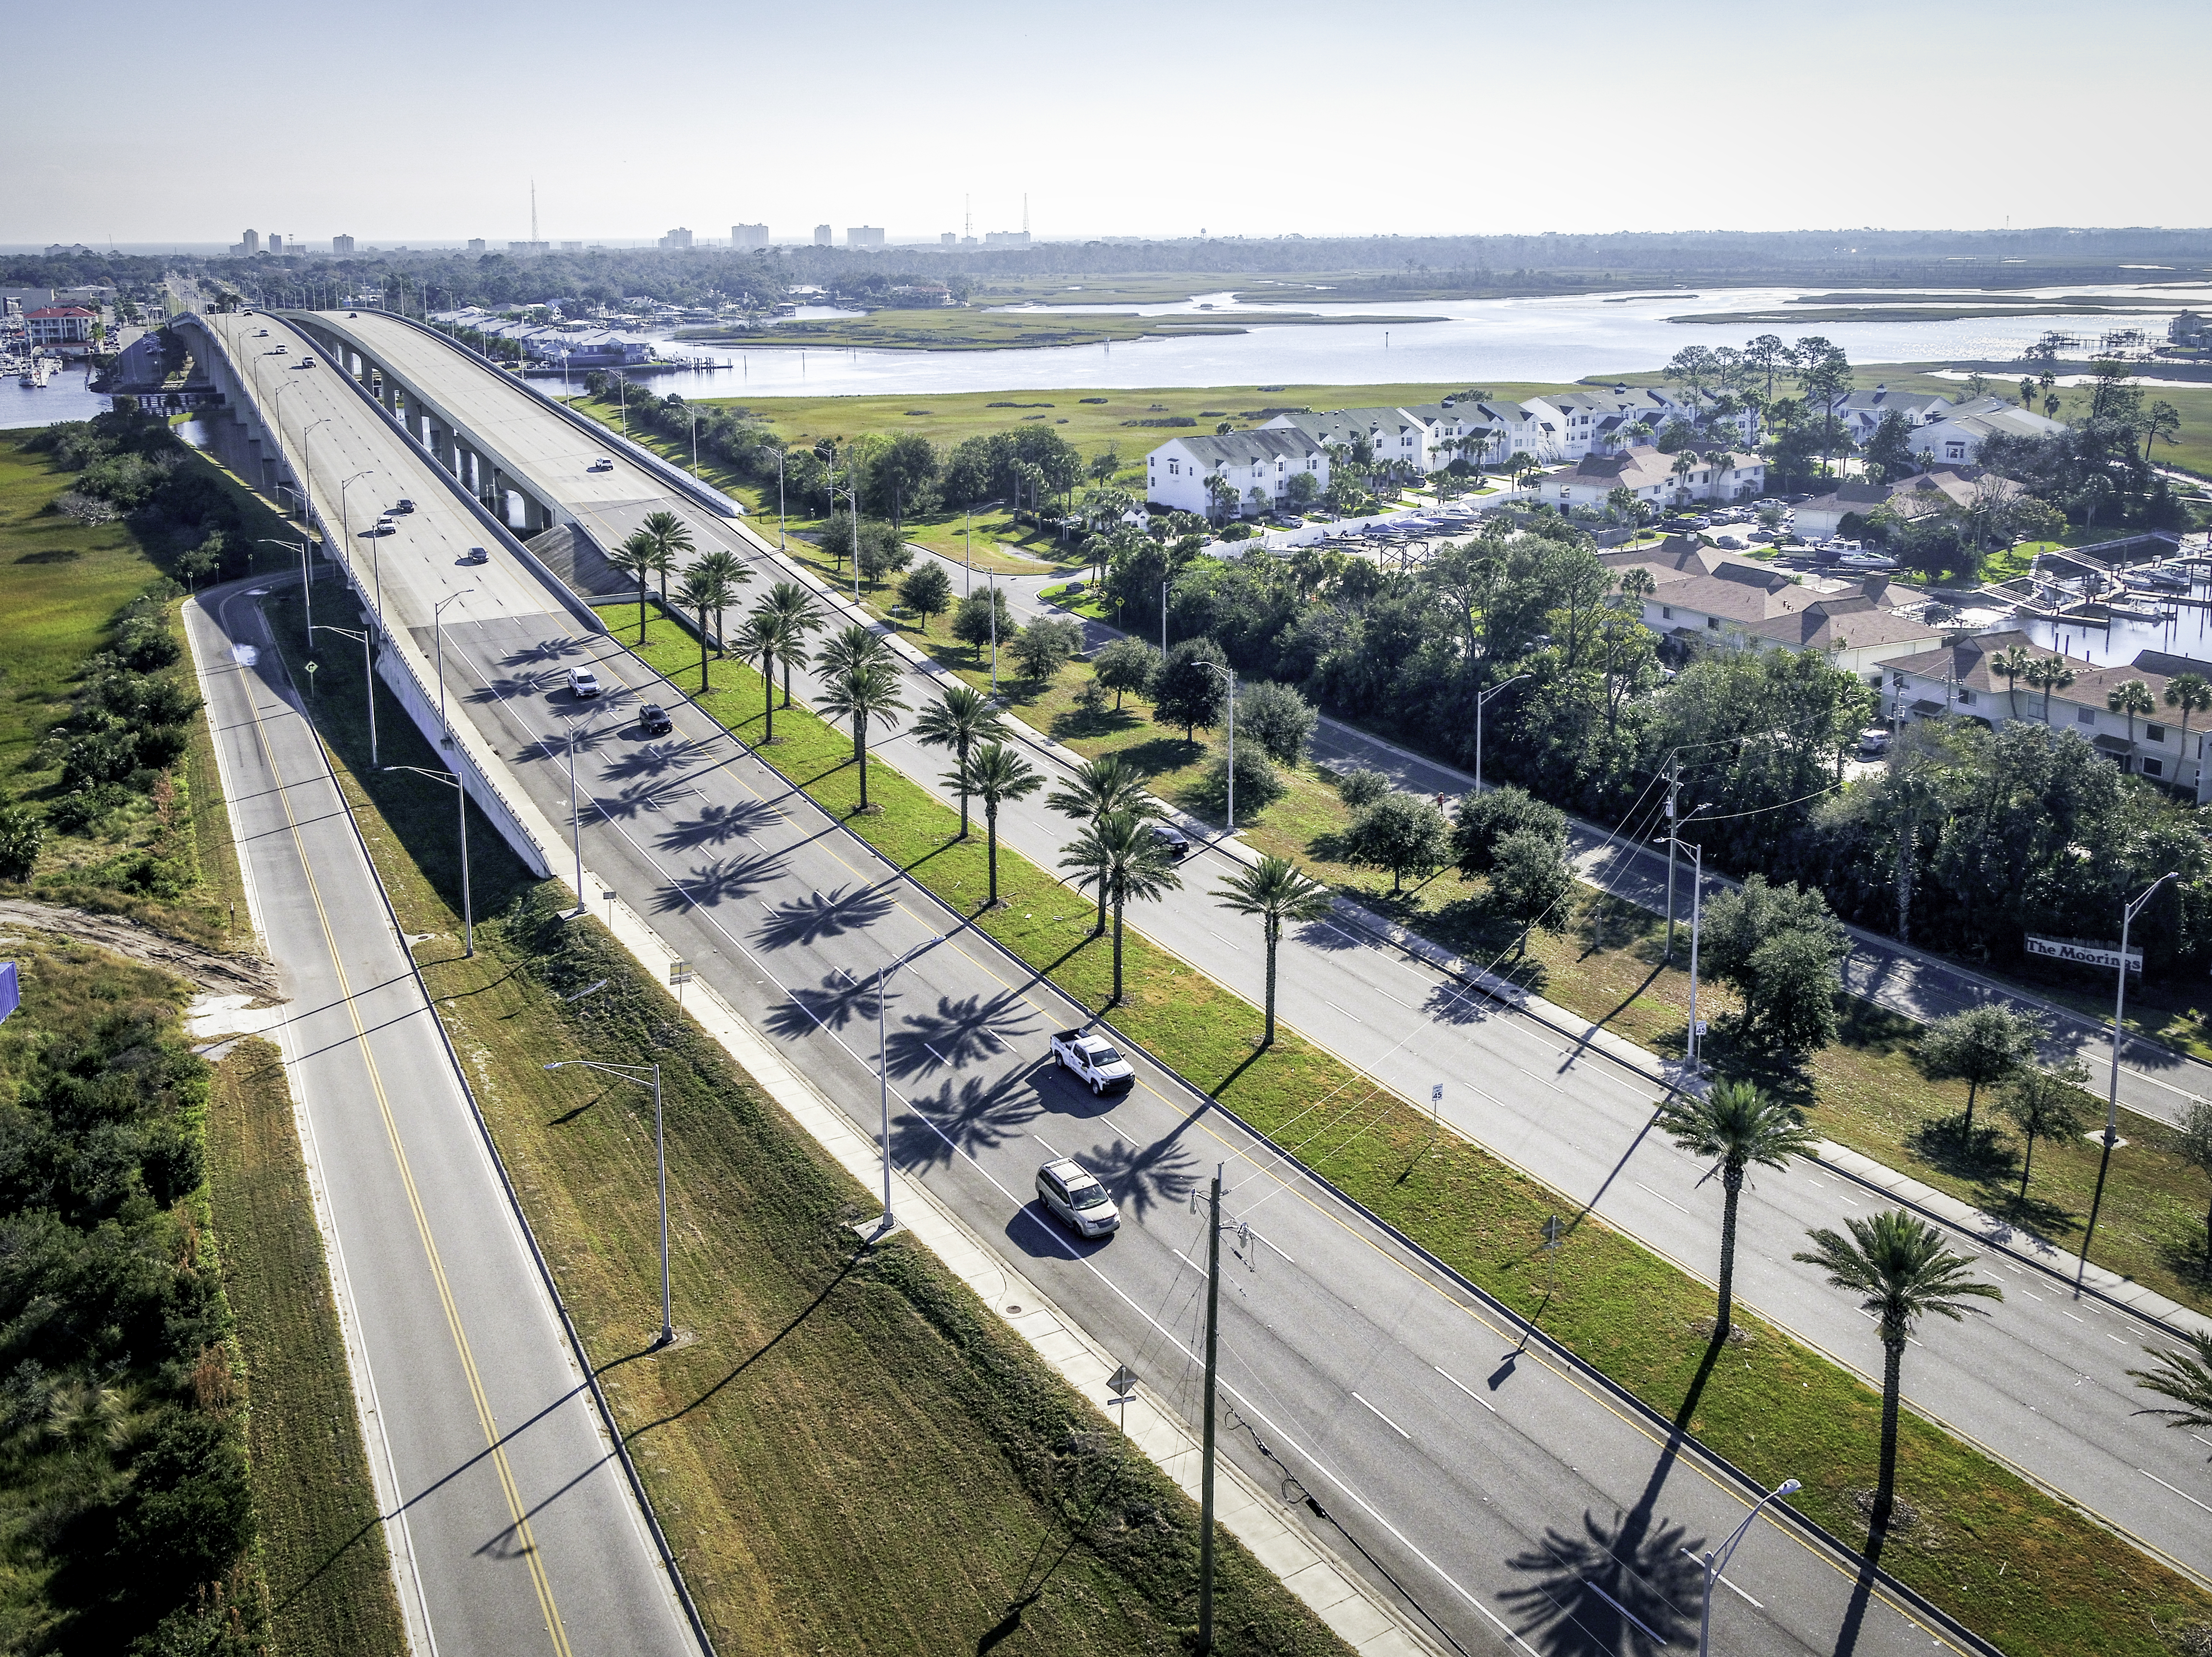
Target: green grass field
[
  {"x": 2028, "y": 1572},
  {"x": 848, "y": 1451},
  {"x": 322, "y": 1542},
  {"x": 974, "y": 328}
]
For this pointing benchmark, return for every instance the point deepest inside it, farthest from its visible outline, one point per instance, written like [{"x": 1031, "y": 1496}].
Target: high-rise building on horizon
[
  {"x": 249, "y": 243},
  {"x": 527, "y": 247},
  {"x": 866, "y": 237},
  {"x": 476, "y": 246},
  {"x": 948, "y": 239},
  {"x": 275, "y": 244},
  {"x": 341, "y": 245},
  {"x": 822, "y": 235},
  {"x": 572, "y": 247},
  {"x": 748, "y": 235},
  {"x": 677, "y": 238}
]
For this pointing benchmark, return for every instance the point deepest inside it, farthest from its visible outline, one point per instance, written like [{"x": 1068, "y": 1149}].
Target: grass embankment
[
  {"x": 162, "y": 854},
  {"x": 2024, "y": 1570},
  {"x": 322, "y": 1542},
  {"x": 848, "y": 1451},
  {"x": 974, "y": 328}
]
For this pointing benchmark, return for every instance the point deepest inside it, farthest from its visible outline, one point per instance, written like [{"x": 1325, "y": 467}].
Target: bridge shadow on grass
[
  {"x": 960, "y": 1032},
  {"x": 717, "y": 825},
  {"x": 725, "y": 879},
  {"x": 814, "y": 917},
  {"x": 834, "y": 1005},
  {"x": 976, "y": 1115}
]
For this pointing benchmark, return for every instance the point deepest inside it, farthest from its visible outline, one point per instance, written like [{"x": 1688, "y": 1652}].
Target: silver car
[{"x": 1067, "y": 1189}]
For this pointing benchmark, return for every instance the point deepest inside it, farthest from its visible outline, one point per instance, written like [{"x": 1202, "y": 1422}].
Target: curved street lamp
[
  {"x": 1481, "y": 702},
  {"x": 453, "y": 779},
  {"x": 637, "y": 1073},
  {"x": 1717, "y": 1561},
  {"x": 1230, "y": 673},
  {"x": 2112, "y": 1098}
]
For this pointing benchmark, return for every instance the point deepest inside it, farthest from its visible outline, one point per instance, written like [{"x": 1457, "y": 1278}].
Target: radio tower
[
  {"x": 1025, "y": 214},
  {"x": 967, "y": 218}
]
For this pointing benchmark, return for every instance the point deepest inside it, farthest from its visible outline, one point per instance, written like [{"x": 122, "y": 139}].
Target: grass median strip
[
  {"x": 323, "y": 1553},
  {"x": 2026, "y": 1571},
  {"x": 847, "y": 1449}
]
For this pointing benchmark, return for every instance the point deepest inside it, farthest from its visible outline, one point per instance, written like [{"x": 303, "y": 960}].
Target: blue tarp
[{"x": 11, "y": 994}]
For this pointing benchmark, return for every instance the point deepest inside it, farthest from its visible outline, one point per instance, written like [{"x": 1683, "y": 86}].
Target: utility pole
[
  {"x": 1206, "y": 1486},
  {"x": 1673, "y": 787}
]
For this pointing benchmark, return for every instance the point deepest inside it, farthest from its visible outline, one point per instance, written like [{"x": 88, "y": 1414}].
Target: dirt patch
[{"x": 228, "y": 974}]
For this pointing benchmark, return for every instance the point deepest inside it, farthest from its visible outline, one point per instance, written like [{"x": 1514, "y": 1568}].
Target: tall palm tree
[
  {"x": 2191, "y": 693},
  {"x": 2131, "y": 698},
  {"x": 2186, "y": 1379},
  {"x": 959, "y": 720},
  {"x": 1093, "y": 793},
  {"x": 702, "y": 593},
  {"x": 1275, "y": 891},
  {"x": 758, "y": 635},
  {"x": 2047, "y": 674},
  {"x": 849, "y": 647},
  {"x": 638, "y": 556},
  {"x": 1737, "y": 1123},
  {"x": 800, "y": 615},
  {"x": 733, "y": 573},
  {"x": 1118, "y": 855},
  {"x": 670, "y": 535},
  {"x": 2011, "y": 665},
  {"x": 866, "y": 691},
  {"x": 995, "y": 773},
  {"x": 1900, "y": 1270}
]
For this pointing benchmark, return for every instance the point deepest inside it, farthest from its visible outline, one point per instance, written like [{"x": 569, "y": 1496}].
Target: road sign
[
  {"x": 1437, "y": 1094},
  {"x": 679, "y": 972},
  {"x": 1121, "y": 1382},
  {"x": 1701, "y": 1029},
  {"x": 1554, "y": 1228}
]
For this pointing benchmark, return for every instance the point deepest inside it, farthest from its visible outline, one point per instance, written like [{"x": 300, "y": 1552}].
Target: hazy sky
[{"x": 414, "y": 122}]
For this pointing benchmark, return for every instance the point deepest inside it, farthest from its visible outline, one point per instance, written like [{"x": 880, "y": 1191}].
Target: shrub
[
  {"x": 1277, "y": 718},
  {"x": 22, "y": 839},
  {"x": 85, "y": 508},
  {"x": 1403, "y": 832},
  {"x": 1484, "y": 819},
  {"x": 1126, "y": 664},
  {"x": 1237, "y": 532},
  {"x": 1259, "y": 783},
  {"x": 1360, "y": 788}
]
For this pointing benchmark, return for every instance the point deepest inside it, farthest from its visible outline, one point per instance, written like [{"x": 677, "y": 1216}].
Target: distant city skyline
[{"x": 1486, "y": 120}]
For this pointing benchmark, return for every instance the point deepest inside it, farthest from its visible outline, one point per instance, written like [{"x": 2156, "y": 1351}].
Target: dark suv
[{"x": 653, "y": 720}]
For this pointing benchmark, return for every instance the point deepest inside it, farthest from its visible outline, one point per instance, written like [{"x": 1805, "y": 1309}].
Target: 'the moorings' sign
[{"x": 2084, "y": 955}]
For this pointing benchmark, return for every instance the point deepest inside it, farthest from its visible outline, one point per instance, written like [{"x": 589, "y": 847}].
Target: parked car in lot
[
  {"x": 583, "y": 683},
  {"x": 653, "y": 720},
  {"x": 1873, "y": 741},
  {"x": 1070, "y": 1192},
  {"x": 1093, "y": 1059},
  {"x": 1729, "y": 543}
]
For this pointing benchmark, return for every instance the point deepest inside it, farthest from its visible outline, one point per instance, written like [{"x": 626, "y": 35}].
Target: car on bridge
[
  {"x": 1093, "y": 1060},
  {"x": 602, "y": 464},
  {"x": 583, "y": 683},
  {"x": 1070, "y": 1192},
  {"x": 402, "y": 505},
  {"x": 653, "y": 720},
  {"x": 477, "y": 555}
]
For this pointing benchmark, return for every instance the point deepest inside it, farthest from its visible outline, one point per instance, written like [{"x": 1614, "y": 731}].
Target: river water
[{"x": 1479, "y": 342}]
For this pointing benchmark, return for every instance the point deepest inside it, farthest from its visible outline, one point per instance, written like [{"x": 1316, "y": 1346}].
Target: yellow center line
[{"x": 516, "y": 1507}]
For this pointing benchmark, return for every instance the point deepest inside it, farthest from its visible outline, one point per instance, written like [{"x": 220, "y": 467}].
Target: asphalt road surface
[{"x": 511, "y": 1526}]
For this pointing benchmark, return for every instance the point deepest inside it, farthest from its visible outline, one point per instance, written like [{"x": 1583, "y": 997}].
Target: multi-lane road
[
  {"x": 789, "y": 919},
  {"x": 511, "y": 1526}
]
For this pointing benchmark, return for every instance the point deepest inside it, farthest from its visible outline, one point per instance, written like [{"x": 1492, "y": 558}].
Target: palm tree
[
  {"x": 759, "y": 634},
  {"x": 799, "y": 615},
  {"x": 1119, "y": 855},
  {"x": 995, "y": 773},
  {"x": 2186, "y": 1379},
  {"x": 670, "y": 535},
  {"x": 638, "y": 556},
  {"x": 2131, "y": 698},
  {"x": 1738, "y": 1124},
  {"x": 1685, "y": 464},
  {"x": 1275, "y": 891},
  {"x": 2191, "y": 693},
  {"x": 866, "y": 689},
  {"x": 733, "y": 573},
  {"x": 2011, "y": 665},
  {"x": 1095, "y": 791},
  {"x": 1900, "y": 1270},
  {"x": 2047, "y": 674},
  {"x": 702, "y": 593},
  {"x": 959, "y": 720},
  {"x": 852, "y": 645}
]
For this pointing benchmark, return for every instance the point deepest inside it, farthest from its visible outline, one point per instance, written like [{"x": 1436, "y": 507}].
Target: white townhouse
[
  {"x": 1395, "y": 436},
  {"x": 1861, "y": 412},
  {"x": 1431, "y": 435},
  {"x": 1264, "y": 461},
  {"x": 1649, "y": 474},
  {"x": 1957, "y": 681},
  {"x": 1954, "y": 435}
]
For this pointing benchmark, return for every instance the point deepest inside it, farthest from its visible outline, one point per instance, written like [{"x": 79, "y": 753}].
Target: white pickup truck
[{"x": 1093, "y": 1059}]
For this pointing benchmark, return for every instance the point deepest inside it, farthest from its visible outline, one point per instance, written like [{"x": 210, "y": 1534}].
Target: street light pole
[
  {"x": 368, "y": 676},
  {"x": 1481, "y": 702},
  {"x": 1206, "y": 1464},
  {"x": 438, "y": 626},
  {"x": 306, "y": 590},
  {"x": 2113, "y": 1097},
  {"x": 1230, "y": 674},
  {"x": 635, "y": 1073},
  {"x": 461, "y": 798},
  {"x": 1717, "y": 1562},
  {"x": 884, "y": 1227},
  {"x": 345, "y": 524},
  {"x": 575, "y": 819}
]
